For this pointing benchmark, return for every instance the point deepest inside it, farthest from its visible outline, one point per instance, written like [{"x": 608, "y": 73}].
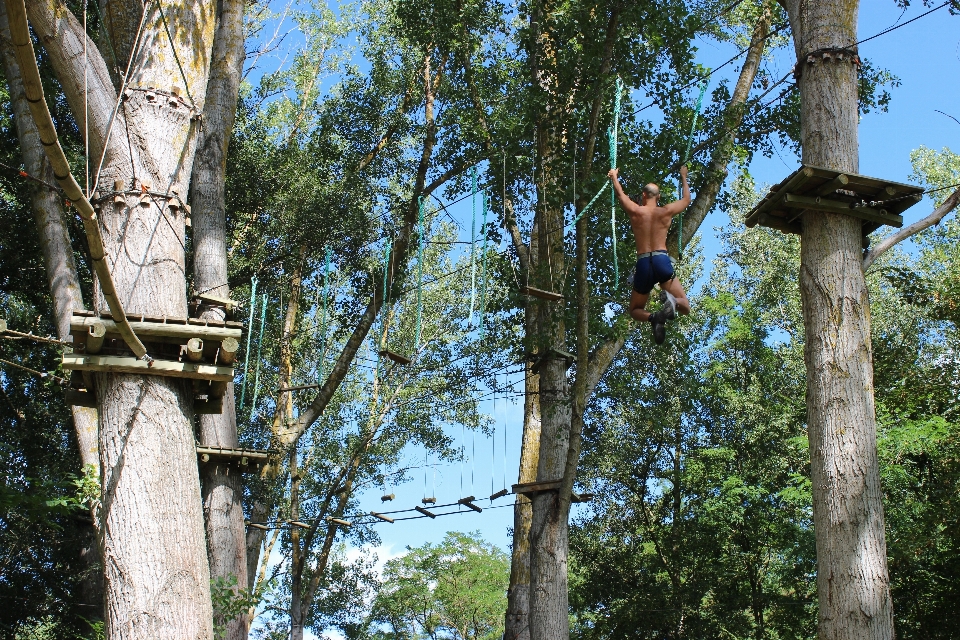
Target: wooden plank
[
  {"x": 425, "y": 512},
  {"x": 257, "y": 525},
  {"x": 581, "y": 497},
  {"x": 536, "y": 487},
  {"x": 343, "y": 523},
  {"x": 253, "y": 454},
  {"x": 380, "y": 516},
  {"x": 396, "y": 357},
  {"x": 227, "y": 303},
  {"x": 159, "y": 329},
  {"x": 130, "y": 364},
  {"x": 468, "y": 502},
  {"x": 499, "y": 494},
  {"x": 542, "y": 294},
  {"x": 780, "y": 224},
  {"x": 793, "y": 182},
  {"x": 297, "y": 523},
  {"x": 834, "y": 206}
]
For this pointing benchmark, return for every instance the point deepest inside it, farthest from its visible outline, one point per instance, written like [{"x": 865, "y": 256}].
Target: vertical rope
[
  {"x": 420, "y": 279},
  {"x": 473, "y": 242},
  {"x": 382, "y": 338},
  {"x": 483, "y": 269},
  {"x": 613, "y": 133},
  {"x": 246, "y": 353},
  {"x": 686, "y": 156},
  {"x": 256, "y": 380}
]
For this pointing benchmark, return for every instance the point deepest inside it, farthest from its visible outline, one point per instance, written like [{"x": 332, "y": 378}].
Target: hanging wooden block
[
  {"x": 468, "y": 502},
  {"x": 542, "y": 294},
  {"x": 425, "y": 512},
  {"x": 396, "y": 357},
  {"x": 499, "y": 494},
  {"x": 380, "y": 516}
]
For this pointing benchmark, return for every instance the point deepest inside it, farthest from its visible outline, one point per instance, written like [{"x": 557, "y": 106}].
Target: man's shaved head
[{"x": 651, "y": 191}]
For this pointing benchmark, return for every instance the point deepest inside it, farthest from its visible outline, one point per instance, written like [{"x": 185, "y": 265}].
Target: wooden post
[
  {"x": 228, "y": 351},
  {"x": 95, "y": 335},
  {"x": 195, "y": 349}
]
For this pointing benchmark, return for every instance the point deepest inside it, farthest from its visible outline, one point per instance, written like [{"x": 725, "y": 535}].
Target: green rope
[
  {"x": 473, "y": 242},
  {"x": 256, "y": 380},
  {"x": 483, "y": 261},
  {"x": 246, "y": 354},
  {"x": 613, "y": 134},
  {"x": 323, "y": 321},
  {"x": 420, "y": 277},
  {"x": 590, "y": 204},
  {"x": 383, "y": 318},
  {"x": 686, "y": 156}
]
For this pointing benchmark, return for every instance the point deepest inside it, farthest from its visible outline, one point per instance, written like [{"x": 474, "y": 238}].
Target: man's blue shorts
[{"x": 652, "y": 268}]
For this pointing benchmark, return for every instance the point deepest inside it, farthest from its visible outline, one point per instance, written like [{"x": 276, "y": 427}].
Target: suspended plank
[
  {"x": 396, "y": 357},
  {"x": 468, "y": 502},
  {"x": 542, "y": 294},
  {"x": 380, "y": 516},
  {"x": 528, "y": 488},
  {"x": 499, "y": 494},
  {"x": 130, "y": 364},
  {"x": 425, "y": 512}
]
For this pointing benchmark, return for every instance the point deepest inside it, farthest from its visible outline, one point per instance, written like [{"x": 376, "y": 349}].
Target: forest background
[{"x": 741, "y": 562}]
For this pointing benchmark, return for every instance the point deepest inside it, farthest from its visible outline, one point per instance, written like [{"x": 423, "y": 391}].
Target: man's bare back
[{"x": 651, "y": 224}]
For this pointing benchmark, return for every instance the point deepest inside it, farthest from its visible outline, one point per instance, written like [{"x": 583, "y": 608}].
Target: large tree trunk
[
  {"x": 517, "y": 626},
  {"x": 852, "y": 579},
  {"x": 61, "y": 271},
  {"x": 221, "y": 484},
  {"x": 157, "y": 576}
]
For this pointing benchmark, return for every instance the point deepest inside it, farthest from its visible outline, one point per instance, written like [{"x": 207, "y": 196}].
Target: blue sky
[{"x": 924, "y": 55}]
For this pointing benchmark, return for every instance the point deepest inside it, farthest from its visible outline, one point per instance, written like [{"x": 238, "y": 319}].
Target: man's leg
[
  {"x": 674, "y": 288},
  {"x": 637, "y": 303}
]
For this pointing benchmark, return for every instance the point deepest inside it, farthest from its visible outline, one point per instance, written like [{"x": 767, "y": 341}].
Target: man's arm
[
  {"x": 679, "y": 205},
  {"x": 628, "y": 205}
]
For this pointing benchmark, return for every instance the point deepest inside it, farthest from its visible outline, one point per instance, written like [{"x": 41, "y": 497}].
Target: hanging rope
[
  {"x": 256, "y": 379},
  {"x": 473, "y": 242},
  {"x": 385, "y": 305},
  {"x": 686, "y": 157},
  {"x": 246, "y": 357},
  {"x": 483, "y": 269},
  {"x": 613, "y": 133},
  {"x": 420, "y": 277}
]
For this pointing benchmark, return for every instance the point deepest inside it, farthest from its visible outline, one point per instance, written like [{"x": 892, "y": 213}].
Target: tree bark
[
  {"x": 61, "y": 271},
  {"x": 221, "y": 485},
  {"x": 517, "y": 625},
  {"x": 852, "y": 578},
  {"x": 157, "y": 576}
]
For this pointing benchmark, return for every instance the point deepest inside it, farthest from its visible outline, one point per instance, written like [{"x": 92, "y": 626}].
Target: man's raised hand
[
  {"x": 683, "y": 171},
  {"x": 613, "y": 174}
]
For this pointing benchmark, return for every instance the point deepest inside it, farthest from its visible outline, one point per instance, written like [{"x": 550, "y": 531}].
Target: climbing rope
[
  {"x": 420, "y": 277},
  {"x": 246, "y": 357},
  {"x": 686, "y": 157},
  {"x": 256, "y": 378},
  {"x": 483, "y": 268},
  {"x": 386, "y": 291},
  {"x": 613, "y": 134},
  {"x": 473, "y": 242}
]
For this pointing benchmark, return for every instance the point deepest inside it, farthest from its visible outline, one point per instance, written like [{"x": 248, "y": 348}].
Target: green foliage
[
  {"x": 229, "y": 602},
  {"x": 455, "y": 590}
]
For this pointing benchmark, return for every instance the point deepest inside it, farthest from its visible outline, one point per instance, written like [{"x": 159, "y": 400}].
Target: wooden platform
[
  {"x": 396, "y": 357},
  {"x": 204, "y": 351},
  {"x": 821, "y": 189},
  {"x": 246, "y": 460}
]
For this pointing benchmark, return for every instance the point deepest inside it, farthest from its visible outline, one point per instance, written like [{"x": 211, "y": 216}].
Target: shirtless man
[{"x": 650, "y": 224}]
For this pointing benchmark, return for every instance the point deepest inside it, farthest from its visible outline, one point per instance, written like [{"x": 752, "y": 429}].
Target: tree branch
[{"x": 892, "y": 240}]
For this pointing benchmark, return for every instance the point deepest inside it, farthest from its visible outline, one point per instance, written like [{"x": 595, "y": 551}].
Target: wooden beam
[
  {"x": 835, "y": 206},
  {"x": 425, "y": 512},
  {"x": 299, "y": 387},
  {"x": 220, "y": 452},
  {"x": 581, "y": 497},
  {"x": 343, "y": 523},
  {"x": 228, "y": 351},
  {"x": 174, "y": 332},
  {"x": 468, "y": 502},
  {"x": 257, "y": 525},
  {"x": 195, "y": 349},
  {"x": 525, "y": 488},
  {"x": 96, "y": 332},
  {"x": 380, "y": 516},
  {"x": 227, "y": 303},
  {"x": 780, "y": 224},
  {"x": 499, "y": 494},
  {"x": 831, "y": 187},
  {"x": 542, "y": 294},
  {"x": 130, "y": 364},
  {"x": 297, "y": 523}
]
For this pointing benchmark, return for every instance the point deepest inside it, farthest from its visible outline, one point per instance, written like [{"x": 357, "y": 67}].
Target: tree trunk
[
  {"x": 61, "y": 270},
  {"x": 157, "y": 576},
  {"x": 517, "y": 626},
  {"x": 852, "y": 579},
  {"x": 222, "y": 486}
]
